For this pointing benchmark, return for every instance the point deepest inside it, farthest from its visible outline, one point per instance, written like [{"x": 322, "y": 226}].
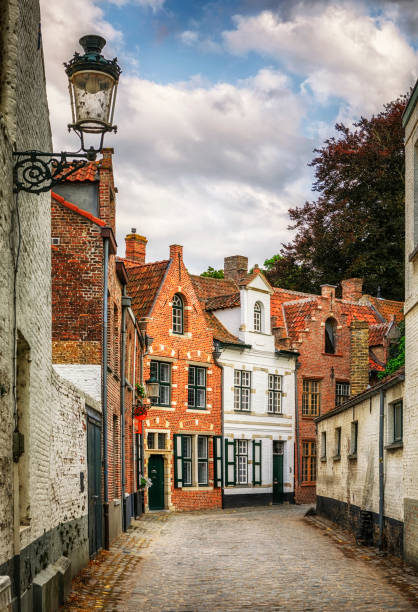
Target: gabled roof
[
  {"x": 377, "y": 333},
  {"x": 207, "y": 287},
  {"x": 223, "y": 301},
  {"x": 296, "y": 312},
  {"x": 251, "y": 276},
  {"x": 89, "y": 172},
  {"x": 219, "y": 331},
  {"x": 361, "y": 312},
  {"x": 387, "y": 308},
  {"x": 279, "y": 297},
  {"x": 77, "y": 210},
  {"x": 144, "y": 283}
]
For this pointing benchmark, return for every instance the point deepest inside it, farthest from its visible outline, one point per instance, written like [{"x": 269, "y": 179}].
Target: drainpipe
[
  {"x": 381, "y": 475},
  {"x": 297, "y": 450},
  {"x": 104, "y": 395},
  {"x": 216, "y": 356},
  {"x": 126, "y": 302}
]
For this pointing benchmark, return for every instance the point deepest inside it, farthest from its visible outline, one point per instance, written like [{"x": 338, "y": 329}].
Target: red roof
[
  {"x": 207, "y": 287},
  {"x": 377, "y": 333},
  {"x": 297, "y": 312},
  {"x": 279, "y": 297},
  {"x": 77, "y": 210},
  {"x": 89, "y": 172},
  {"x": 144, "y": 283},
  {"x": 223, "y": 301},
  {"x": 374, "y": 364},
  {"x": 361, "y": 312},
  {"x": 388, "y": 308}
]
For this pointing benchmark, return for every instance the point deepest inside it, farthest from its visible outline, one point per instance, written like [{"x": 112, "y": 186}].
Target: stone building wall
[
  {"x": 349, "y": 482},
  {"x": 411, "y": 331}
]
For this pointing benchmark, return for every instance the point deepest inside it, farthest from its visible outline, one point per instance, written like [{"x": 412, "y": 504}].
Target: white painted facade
[
  {"x": 258, "y": 357},
  {"x": 87, "y": 377}
]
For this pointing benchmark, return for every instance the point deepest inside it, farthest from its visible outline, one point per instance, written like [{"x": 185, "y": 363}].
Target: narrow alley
[{"x": 249, "y": 559}]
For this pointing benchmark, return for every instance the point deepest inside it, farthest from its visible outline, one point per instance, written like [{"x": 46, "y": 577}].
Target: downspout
[
  {"x": 381, "y": 474},
  {"x": 216, "y": 360},
  {"x": 297, "y": 449},
  {"x": 104, "y": 394},
  {"x": 126, "y": 302}
]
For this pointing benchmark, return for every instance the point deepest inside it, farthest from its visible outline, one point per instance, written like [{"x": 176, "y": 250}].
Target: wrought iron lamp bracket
[{"x": 37, "y": 172}]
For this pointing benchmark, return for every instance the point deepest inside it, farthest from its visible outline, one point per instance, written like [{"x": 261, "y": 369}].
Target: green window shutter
[
  {"x": 256, "y": 462},
  {"x": 217, "y": 461},
  {"x": 178, "y": 461},
  {"x": 229, "y": 462}
]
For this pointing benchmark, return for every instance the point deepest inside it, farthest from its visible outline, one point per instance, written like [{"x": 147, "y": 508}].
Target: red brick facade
[
  {"x": 77, "y": 312},
  {"x": 153, "y": 287}
]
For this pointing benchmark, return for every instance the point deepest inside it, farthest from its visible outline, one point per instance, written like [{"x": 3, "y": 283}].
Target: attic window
[
  {"x": 55, "y": 240},
  {"x": 177, "y": 314},
  {"x": 257, "y": 317},
  {"x": 330, "y": 336}
]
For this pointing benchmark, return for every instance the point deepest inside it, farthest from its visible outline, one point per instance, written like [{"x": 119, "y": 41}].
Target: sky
[{"x": 221, "y": 103}]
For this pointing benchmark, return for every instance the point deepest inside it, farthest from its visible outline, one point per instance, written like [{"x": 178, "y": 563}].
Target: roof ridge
[
  {"x": 295, "y": 292},
  {"x": 146, "y": 263},
  {"x": 302, "y": 301}
]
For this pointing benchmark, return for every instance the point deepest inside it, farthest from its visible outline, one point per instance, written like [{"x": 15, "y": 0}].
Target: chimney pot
[
  {"x": 352, "y": 289},
  {"x": 136, "y": 246},
  {"x": 235, "y": 267}
]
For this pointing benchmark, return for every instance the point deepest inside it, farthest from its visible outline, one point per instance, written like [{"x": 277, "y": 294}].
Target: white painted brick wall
[{"x": 88, "y": 378}]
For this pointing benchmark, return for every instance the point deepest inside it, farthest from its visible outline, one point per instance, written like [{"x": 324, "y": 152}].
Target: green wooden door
[
  {"x": 94, "y": 470},
  {"x": 156, "y": 491},
  {"x": 277, "y": 479}
]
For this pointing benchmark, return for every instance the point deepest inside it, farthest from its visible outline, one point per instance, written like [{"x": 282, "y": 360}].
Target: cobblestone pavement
[{"x": 248, "y": 559}]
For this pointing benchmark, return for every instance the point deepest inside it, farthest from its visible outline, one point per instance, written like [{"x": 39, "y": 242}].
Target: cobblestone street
[{"x": 249, "y": 559}]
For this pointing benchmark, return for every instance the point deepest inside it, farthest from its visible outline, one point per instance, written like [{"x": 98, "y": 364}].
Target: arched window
[
  {"x": 330, "y": 336},
  {"x": 177, "y": 314},
  {"x": 258, "y": 311}
]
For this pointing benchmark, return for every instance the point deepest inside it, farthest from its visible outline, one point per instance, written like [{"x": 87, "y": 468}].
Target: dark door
[
  {"x": 156, "y": 491},
  {"x": 94, "y": 455},
  {"x": 277, "y": 473}
]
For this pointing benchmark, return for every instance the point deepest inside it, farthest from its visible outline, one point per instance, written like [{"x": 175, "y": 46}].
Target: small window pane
[
  {"x": 200, "y": 398},
  {"x": 202, "y": 469},
  {"x": 237, "y": 398},
  {"x": 237, "y": 377},
  {"x": 191, "y": 375},
  {"x": 161, "y": 441},
  {"x": 164, "y": 395},
  {"x": 200, "y": 377},
  {"x": 202, "y": 447},
  {"x": 191, "y": 400},
  {"x": 187, "y": 473},
  {"x": 245, "y": 377},
  {"x": 164, "y": 372},
  {"x": 245, "y": 399},
  {"x": 150, "y": 440},
  {"x": 187, "y": 447}
]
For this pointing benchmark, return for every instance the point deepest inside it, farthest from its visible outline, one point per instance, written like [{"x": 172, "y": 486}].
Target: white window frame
[
  {"x": 242, "y": 390},
  {"x": 242, "y": 462},
  {"x": 258, "y": 312},
  {"x": 275, "y": 393}
]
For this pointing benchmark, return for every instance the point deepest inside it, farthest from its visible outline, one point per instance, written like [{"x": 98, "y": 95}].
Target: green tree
[
  {"x": 356, "y": 225},
  {"x": 212, "y": 273},
  {"x": 283, "y": 272}
]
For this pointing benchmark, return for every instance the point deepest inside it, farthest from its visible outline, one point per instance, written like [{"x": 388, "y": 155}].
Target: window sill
[
  {"x": 336, "y": 458},
  {"x": 275, "y": 414},
  {"x": 242, "y": 411},
  {"x": 394, "y": 446},
  {"x": 195, "y": 488},
  {"x": 414, "y": 253},
  {"x": 156, "y": 407},
  {"x": 186, "y": 336},
  {"x": 198, "y": 410},
  {"x": 352, "y": 457}
]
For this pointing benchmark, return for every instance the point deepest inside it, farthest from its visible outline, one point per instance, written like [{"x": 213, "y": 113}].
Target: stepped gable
[
  {"x": 207, "y": 287},
  {"x": 144, "y": 283},
  {"x": 388, "y": 308}
]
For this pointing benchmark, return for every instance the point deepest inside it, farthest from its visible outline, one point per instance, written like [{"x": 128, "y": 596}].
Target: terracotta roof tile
[
  {"x": 296, "y": 312},
  {"x": 77, "y": 210},
  {"x": 207, "y": 287},
  {"x": 374, "y": 364},
  {"x": 377, "y": 333},
  {"x": 223, "y": 301},
  {"x": 89, "y": 172},
  {"x": 361, "y": 312},
  {"x": 388, "y": 308},
  {"x": 144, "y": 283},
  {"x": 279, "y": 297},
  {"x": 218, "y": 330}
]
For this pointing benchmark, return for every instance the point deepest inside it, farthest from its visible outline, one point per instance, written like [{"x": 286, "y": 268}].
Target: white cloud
[
  {"x": 340, "y": 51},
  {"x": 154, "y": 5},
  {"x": 189, "y": 37}
]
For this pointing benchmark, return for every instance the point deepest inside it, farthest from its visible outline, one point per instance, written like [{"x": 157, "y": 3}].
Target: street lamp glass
[
  {"x": 153, "y": 387},
  {"x": 92, "y": 91}
]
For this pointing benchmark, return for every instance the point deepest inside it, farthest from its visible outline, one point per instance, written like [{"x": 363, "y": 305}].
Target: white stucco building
[{"x": 258, "y": 391}]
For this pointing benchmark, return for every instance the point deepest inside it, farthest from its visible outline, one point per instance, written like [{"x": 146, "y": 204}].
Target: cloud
[
  {"x": 189, "y": 37},
  {"x": 154, "y": 5},
  {"x": 340, "y": 51}
]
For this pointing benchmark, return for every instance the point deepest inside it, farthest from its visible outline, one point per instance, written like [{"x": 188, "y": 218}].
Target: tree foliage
[
  {"x": 212, "y": 273},
  {"x": 355, "y": 228},
  {"x": 285, "y": 273},
  {"x": 396, "y": 355}
]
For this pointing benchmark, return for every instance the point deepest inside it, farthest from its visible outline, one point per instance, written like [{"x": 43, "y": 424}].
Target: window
[
  {"x": 187, "y": 460},
  {"x": 177, "y": 314},
  {"x": 258, "y": 309},
  {"x": 55, "y": 240},
  {"x": 397, "y": 409},
  {"x": 275, "y": 394},
  {"x": 330, "y": 336},
  {"x": 337, "y": 451},
  {"x": 161, "y": 371},
  {"x": 150, "y": 439},
  {"x": 342, "y": 392},
  {"x": 197, "y": 387},
  {"x": 202, "y": 460},
  {"x": 242, "y": 462},
  {"x": 242, "y": 390},
  {"x": 354, "y": 438},
  {"x": 324, "y": 445},
  {"x": 161, "y": 441},
  {"x": 311, "y": 398},
  {"x": 308, "y": 461}
]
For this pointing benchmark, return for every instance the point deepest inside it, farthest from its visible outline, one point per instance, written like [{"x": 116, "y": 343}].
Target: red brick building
[
  {"x": 343, "y": 343},
  {"x": 95, "y": 339},
  {"x": 183, "y": 428}
]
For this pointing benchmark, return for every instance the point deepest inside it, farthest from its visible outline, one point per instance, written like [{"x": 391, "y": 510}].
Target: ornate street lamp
[
  {"x": 93, "y": 82},
  {"x": 153, "y": 387}
]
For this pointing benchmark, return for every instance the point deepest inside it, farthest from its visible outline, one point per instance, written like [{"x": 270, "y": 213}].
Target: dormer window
[
  {"x": 258, "y": 310},
  {"x": 330, "y": 336},
  {"x": 177, "y": 314}
]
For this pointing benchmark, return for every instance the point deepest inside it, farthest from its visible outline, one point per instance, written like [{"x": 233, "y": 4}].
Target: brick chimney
[
  {"x": 352, "y": 289},
  {"x": 235, "y": 267},
  {"x": 136, "y": 246},
  {"x": 107, "y": 189},
  {"x": 359, "y": 356},
  {"x": 176, "y": 252},
  {"x": 328, "y": 291}
]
